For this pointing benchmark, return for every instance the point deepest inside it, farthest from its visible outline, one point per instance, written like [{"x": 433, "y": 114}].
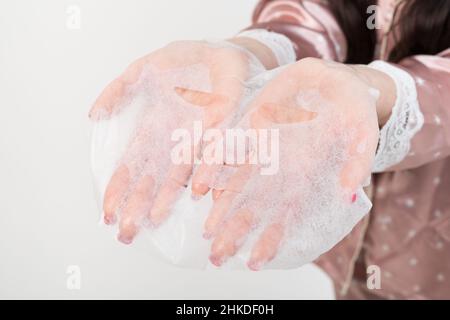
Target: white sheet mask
[
  {"x": 138, "y": 136},
  {"x": 305, "y": 195},
  {"x": 305, "y": 192}
]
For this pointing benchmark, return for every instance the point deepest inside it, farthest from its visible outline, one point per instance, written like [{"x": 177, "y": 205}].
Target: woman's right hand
[{"x": 182, "y": 83}]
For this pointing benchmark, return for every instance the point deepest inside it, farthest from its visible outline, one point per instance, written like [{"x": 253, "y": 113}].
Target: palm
[
  {"x": 179, "y": 84},
  {"x": 328, "y": 133}
]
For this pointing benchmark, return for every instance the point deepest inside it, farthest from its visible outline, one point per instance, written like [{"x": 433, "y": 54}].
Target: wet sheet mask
[
  {"x": 301, "y": 206},
  {"x": 288, "y": 218}
]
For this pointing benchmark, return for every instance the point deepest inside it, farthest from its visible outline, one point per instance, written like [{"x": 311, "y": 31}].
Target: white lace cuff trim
[
  {"x": 405, "y": 121},
  {"x": 280, "y": 45}
]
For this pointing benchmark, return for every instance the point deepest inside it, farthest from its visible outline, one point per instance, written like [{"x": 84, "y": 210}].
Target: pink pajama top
[{"x": 407, "y": 233}]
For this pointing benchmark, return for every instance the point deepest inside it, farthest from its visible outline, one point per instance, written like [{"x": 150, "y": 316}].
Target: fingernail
[
  {"x": 125, "y": 239},
  {"x": 195, "y": 197},
  {"x": 199, "y": 188},
  {"x": 215, "y": 260},
  {"x": 109, "y": 220},
  {"x": 154, "y": 222},
  {"x": 207, "y": 235},
  {"x": 353, "y": 198},
  {"x": 254, "y": 265}
]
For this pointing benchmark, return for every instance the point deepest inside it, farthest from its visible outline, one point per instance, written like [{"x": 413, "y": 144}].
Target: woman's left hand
[{"x": 326, "y": 118}]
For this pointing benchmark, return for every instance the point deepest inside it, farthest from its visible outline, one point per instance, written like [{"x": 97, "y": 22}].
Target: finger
[
  {"x": 210, "y": 174},
  {"x": 352, "y": 175},
  {"x": 203, "y": 178},
  {"x": 232, "y": 236},
  {"x": 218, "y": 213},
  {"x": 356, "y": 170},
  {"x": 112, "y": 95},
  {"x": 132, "y": 163},
  {"x": 219, "y": 108},
  {"x": 223, "y": 204},
  {"x": 115, "y": 193},
  {"x": 266, "y": 247},
  {"x": 136, "y": 208},
  {"x": 217, "y": 176},
  {"x": 169, "y": 192},
  {"x": 228, "y": 69}
]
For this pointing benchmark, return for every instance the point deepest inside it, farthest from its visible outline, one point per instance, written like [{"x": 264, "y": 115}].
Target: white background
[{"x": 49, "y": 76}]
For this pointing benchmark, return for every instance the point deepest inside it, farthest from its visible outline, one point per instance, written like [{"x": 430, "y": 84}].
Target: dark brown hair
[{"x": 422, "y": 28}]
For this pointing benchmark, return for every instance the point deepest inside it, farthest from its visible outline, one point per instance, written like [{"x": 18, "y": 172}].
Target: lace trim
[
  {"x": 280, "y": 45},
  {"x": 405, "y": 121}
]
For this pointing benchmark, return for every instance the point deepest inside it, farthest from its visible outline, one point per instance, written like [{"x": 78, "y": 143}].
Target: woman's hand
[
  {"x": 181, "y": 83},
  {"x": 326, "y": 119}
]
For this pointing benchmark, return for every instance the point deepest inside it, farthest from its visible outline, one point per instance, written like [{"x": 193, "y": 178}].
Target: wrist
[
  {"x": 385, "y": 85},
  {"x": 262, "y": 52}
]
